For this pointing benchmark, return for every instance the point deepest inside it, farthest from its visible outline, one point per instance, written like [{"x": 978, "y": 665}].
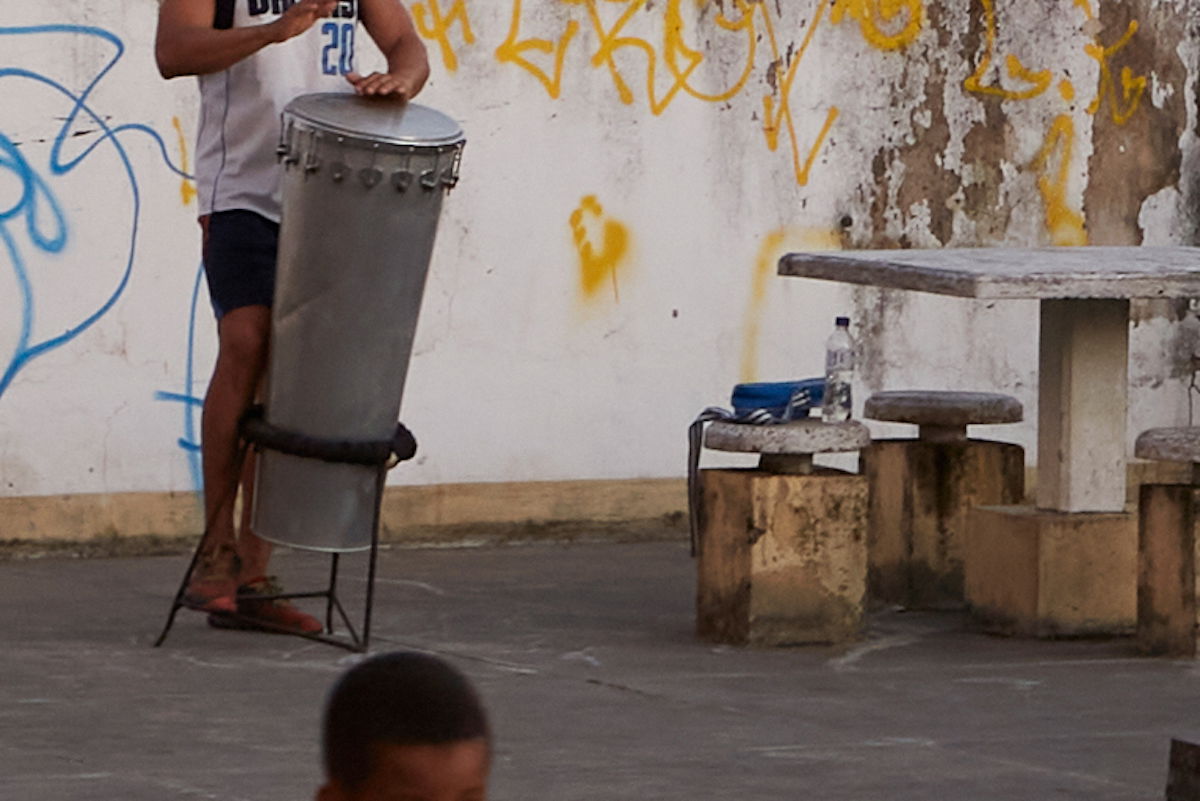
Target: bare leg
[
  {"x": 243, "y": 336},
  {"x": 254, "y": 551}
]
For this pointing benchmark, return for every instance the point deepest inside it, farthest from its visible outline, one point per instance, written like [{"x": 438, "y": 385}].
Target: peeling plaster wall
[{"x": 606, "y": 267}]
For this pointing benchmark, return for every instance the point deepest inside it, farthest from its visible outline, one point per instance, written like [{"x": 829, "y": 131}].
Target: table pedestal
[
  {"x": 1082, "y": 379},
  {"x": 1068, "y": 567},
  {"x": 1044, "y": 573}
]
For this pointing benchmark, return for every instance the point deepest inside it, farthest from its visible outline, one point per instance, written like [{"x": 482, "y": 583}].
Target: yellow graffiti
[
  {"x": 610, "y": 41},
  {"x": 774, "y": 245},
  {"x": 775, "y": 117},
  {"x": 1126, "y": 105},
  {"x": 1039, "y": 81},
  {"x": 514, "y": 48},
  {"x": 597, "y": 267},
  {"x": 681, "y": 59},
  {"x": 187, "y": 187},
  {"x": 1052, "y": 163},
  {"x": 676, "y": 48},
  {"x": 1066, "y": 225},
  {"x": 435, "y": 24},
  {"x": 885, "y": 24}
]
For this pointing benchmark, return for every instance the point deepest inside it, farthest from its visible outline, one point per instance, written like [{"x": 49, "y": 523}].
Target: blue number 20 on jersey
[{"x": 337, "y": 56}]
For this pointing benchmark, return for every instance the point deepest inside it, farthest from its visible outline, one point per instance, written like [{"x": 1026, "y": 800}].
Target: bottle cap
[{"x": 843, "y": 321}]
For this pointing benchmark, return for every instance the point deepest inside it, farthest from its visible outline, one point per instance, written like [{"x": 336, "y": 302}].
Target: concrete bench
[
  {"x": 1167, "y": 542},
  {"x": 782, "y": 548},
  {"x": 922, "y": 490}
]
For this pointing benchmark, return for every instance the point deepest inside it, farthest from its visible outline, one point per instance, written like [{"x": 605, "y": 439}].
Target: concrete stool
[
  {"x": 782, "y": 550},
  {"x": 1183, "y": 771},
  {"x": 922, "y": 490},
  {"x": 1167, "y": 542}
]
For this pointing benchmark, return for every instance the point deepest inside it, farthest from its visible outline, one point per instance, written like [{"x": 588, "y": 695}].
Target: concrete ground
[{"x": 597, "y": 688}]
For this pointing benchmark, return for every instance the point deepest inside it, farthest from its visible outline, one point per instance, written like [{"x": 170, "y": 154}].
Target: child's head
[{"x": 405, "y": 727}]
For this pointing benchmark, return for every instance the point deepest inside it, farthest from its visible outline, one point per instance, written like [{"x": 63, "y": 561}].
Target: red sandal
[
  {"x": 253, "y": 610},
  {"x": 213, "y": 587}
]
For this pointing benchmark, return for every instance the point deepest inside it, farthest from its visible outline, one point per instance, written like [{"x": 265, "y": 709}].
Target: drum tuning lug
[
  {"x": 370, "y": 176},
  {"x": 402, "y": 179},
  {"x": 338, "y": 171},
  {"x": 449, "y": 178},
  {"x": 429, "y": 179},
  {"x": 312, "y": 163}
]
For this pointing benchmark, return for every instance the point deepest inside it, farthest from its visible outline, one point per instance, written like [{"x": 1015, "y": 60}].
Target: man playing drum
[{"x": 252, "y": 57}]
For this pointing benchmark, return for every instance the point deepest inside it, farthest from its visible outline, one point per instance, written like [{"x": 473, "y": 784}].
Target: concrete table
[
  {"x": 1084, "y": 339},
  {"x": 1082, "y": 362}
]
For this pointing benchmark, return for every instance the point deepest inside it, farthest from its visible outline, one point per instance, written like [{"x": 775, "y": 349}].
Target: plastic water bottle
[{"x": 839, "y": 372}]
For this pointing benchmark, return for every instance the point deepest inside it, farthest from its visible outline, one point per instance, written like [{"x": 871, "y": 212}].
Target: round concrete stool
[
  {"x": 1167, "y": 585},
  {"x": 943, "y": 416},
  {"x": 782, "y": 550},
  {"x": 788, "y": 448},
  {"x": 1171, "y": 445}
]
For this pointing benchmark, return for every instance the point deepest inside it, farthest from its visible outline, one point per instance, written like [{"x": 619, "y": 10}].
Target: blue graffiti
[
  {"x": 192, "y": 403},
  {"x": 39, "y": 213}
]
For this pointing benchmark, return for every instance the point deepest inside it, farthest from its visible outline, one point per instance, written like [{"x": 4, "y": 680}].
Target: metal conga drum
[{"x": 363, "y": 184}]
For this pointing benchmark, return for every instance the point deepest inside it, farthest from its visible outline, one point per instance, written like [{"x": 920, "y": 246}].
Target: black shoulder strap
[{"x": 223, "y": 18}]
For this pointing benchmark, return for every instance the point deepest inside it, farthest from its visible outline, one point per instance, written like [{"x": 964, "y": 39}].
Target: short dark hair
[{"x": 400, "y": 698}]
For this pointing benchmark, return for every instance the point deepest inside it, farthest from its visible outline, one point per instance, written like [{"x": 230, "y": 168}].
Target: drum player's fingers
[
  {"x": 301, "y": 16},
  {"x": 377, "y": 83},
  {"x": 315, "y": 9}
]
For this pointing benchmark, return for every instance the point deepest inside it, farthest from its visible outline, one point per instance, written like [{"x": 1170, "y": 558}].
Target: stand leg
[
  {"x": 379, "y": 486},
  {"x": 333, "y": 574},
  {"x": 177, "y": 603}
]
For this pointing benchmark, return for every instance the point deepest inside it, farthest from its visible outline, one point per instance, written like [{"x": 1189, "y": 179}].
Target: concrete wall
[{"x": 606, "y": 267}]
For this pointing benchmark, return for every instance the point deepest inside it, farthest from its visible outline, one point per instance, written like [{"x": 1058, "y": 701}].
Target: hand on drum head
[
  {"x": 382, "y": 85},
  {"x": 301, "y": 16}
]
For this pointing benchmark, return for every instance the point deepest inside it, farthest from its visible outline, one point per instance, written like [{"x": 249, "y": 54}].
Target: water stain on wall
[
  {"x": 1136, "y": 148},
  {"x": 878, "y": 317},
  {"x": 911, "y": 178},
  {"x": 774, "y": 245}
]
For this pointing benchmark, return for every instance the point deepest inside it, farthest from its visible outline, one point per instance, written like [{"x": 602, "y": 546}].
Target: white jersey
[{"x": 240, "y": 107}]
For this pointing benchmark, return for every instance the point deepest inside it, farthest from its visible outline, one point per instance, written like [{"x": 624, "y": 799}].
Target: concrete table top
[{"x": 1085, "y": 272}]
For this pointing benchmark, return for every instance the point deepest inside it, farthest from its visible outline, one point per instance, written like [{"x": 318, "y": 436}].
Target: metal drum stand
[{"x": 382, "y": 455}]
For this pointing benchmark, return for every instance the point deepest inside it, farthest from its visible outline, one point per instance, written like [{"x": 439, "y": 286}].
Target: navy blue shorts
[{"x": 240, "y": 249}]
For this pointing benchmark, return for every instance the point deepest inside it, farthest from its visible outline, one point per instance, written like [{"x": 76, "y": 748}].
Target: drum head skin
[{"x": 375, "y": 119}]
